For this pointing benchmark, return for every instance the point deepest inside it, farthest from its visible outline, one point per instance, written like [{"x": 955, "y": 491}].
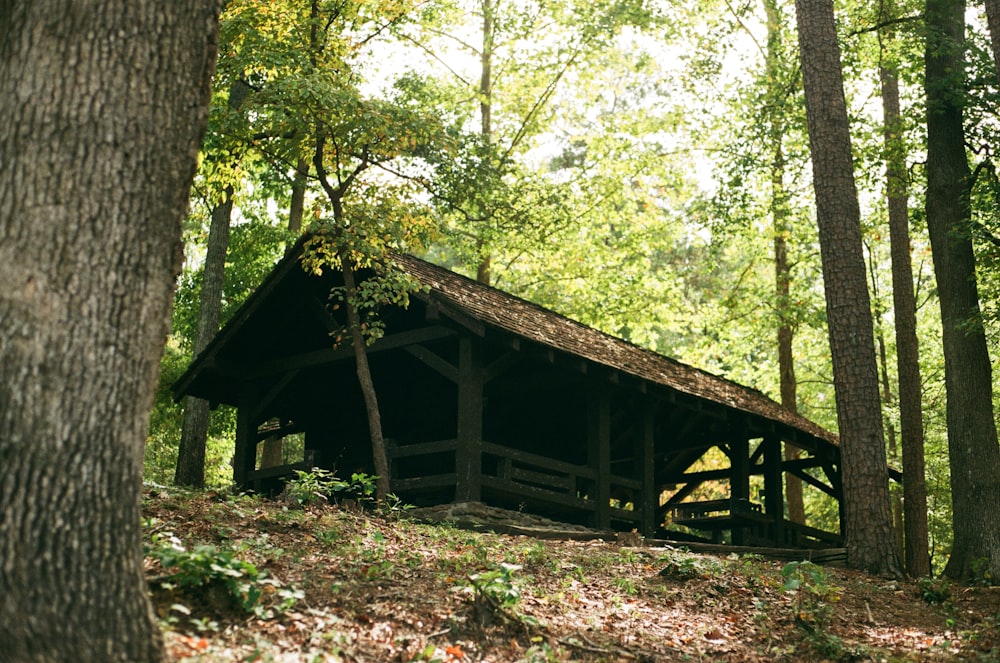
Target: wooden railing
[
  {"x": 518, "y": 474},
  {"x": 436, "y": 480}
]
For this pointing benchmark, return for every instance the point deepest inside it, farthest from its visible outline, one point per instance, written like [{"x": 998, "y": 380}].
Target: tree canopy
[{"x": 642, "y": 169}]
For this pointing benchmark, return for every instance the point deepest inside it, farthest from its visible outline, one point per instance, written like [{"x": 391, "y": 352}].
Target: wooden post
[
  {"x": 739, "y": 478},
  {"x": 469, "y": 454},
  {"x": 648, "y": 501},
  {"x": 599, "y": 451},
  {"x": 245, "y": 453},
  {"x": 774, "y": 499}
]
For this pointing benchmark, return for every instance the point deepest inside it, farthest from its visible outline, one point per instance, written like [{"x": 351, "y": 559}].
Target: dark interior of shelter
[{"x": 486, "y": 397}]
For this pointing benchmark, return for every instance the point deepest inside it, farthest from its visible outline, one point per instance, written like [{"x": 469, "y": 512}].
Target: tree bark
[
  {"x": 104, "y": 104},
  {"x": 297, "y": 206},
  {"x": 911, "y": 428},
  {"x": 972, "y": 436},
  {"x": 993, "y": 20},
  {"x": 868, "y": 518}
]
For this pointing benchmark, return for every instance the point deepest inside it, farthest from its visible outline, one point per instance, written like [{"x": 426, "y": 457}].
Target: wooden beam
[
  {"x": 418, "y": 483},
  {"x": 245, "y": 452},
  {"x": 524, "y": 492},
  {"x": 582, "y": 471},
  {"x": 421, "y": 448},
  {"x": 774, "y": 495},
  {"x": 739, "y": 478},
  {"x": 679, "y": 496},
  {"x": 500, "y": 365},
  {"x": 813, "y": 481},
  {"x": 272, "y": 393},
  {"x": 443, "y": 308},
  {"x": 599, "y": 450},
  {"x": 325, "y": 356},
  {"x": 433, "y": 361},
  {"x": 649, "y": 497},
  {"x": 681, "y": 462},
  {"x": 469, "y": 454},
  {"x": 322, "y": 314},
  {"x": 800, "y": 464},
  {"x": 712, "y": 475}
]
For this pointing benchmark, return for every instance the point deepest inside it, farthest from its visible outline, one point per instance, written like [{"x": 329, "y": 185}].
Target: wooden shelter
[{"x": 487, "y": 397}]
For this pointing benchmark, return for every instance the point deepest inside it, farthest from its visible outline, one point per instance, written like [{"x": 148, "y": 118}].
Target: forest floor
[{"x": 238, "y": 578}]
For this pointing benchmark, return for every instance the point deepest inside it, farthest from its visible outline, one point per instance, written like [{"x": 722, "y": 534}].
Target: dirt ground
[{"x": 271, "y": 581}]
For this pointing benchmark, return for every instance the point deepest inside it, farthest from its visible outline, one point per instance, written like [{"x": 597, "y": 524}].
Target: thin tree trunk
[
  {"x": 103, "y": 106},
  {"x": 782, "y": 271},
  {"x": 336, "y": 197},
  {"x": 972, "y": 436},
  {"x": 786, "y": 370},
  {"x": 911, "y": 428},
  {"x": 297, "y": 206},
  {"x": 365, "y": 379},
  {"x": 895, "y": 498},
  {"x": 190, "y": 469},
  {"x": 786, "y": 359},
  {"x": 865, "y": 476},
  {"x": 483, "y": 268}
]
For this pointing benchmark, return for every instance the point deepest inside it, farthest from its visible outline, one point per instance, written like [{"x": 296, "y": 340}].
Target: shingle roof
[
  {"x": 503, "y": 311},
  {"x": 522, "y": 318}
]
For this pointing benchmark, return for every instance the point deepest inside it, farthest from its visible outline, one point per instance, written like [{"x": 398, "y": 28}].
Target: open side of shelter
[{"x": 487, "y": 397}]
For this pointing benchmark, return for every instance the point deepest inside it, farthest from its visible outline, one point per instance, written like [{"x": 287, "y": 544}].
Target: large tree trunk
[
  {"x": 911, "y": 428},
  {"x": 972, "y": 436},
  {"x": 190, "y": 469},
  {"x": 103, "y": 105},
  {"x": 868, "y": 518},
  {"x": 993, "y": 19}
]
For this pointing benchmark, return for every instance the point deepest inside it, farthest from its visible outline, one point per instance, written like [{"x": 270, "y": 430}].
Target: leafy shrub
[
  {"x": 319, "y": 485},
  {"x": 935, "y": 591},
  {"x": 684, "y": 566},
  {"x": 814, "y": 596},
  {"x": 496, "y": 593},
  {"x": 315, "y": 485},
  {"x": 981, "y": 572},
  {"x": 813, "y": 593},
  {"x": 208, "y": 566}
]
